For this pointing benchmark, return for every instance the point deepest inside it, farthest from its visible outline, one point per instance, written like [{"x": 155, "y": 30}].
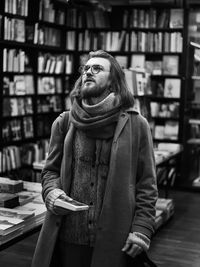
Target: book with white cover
[{"x": 70, "y": 204}]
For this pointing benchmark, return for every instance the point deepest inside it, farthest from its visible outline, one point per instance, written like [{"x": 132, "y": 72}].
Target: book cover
[
  {"x": 176, "y": 18},
  {"x": 138, "y": 61},
  {"x": 170, "y": 65},
  {"x": 8, "y": 200},
  {"x": 172, "y": 87},
  {"x": 70, "y": 204},
  {"x": 171, "y": 130},
  {"x": 123, "y": 61},
  {"x": 159, "y": 132},
  {"x": 19, "y": 30}
]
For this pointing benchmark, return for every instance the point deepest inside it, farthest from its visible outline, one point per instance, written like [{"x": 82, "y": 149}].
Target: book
[
  {"x": 123, "y": 61},
  {"x": 163, "y": 203},
  {"x": 170, "y": 65},
  {"x": 171, "y": 130},
  {"x": 9, "y": 200},
  {"x": 16, "y": 213},
  {"x": 176, "y": 18},
  {"x": 9, "y": 225},
  {"x": 138, "y": 61},
  {"x": 130, "y": 80},
  {"x": 26, "y": 196},
  {"x": 172, "y": 87},
  {"x": 10, "y": 186},
  {"x": 70, "y": 204}
]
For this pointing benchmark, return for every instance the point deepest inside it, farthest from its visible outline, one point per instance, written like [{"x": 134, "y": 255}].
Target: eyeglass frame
[{"x": 84, "y": 68}]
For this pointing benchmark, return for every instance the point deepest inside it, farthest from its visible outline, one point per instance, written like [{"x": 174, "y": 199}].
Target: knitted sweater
[{"x": 90, "y": 167}]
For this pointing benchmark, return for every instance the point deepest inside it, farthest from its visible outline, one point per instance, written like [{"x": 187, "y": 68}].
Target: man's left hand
[{"x": 131, "y": 248}]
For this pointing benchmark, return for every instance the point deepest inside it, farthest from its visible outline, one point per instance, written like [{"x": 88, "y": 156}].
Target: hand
[
  {"x": 60, "y": 210},
  {"x": 131, "y": 248}
]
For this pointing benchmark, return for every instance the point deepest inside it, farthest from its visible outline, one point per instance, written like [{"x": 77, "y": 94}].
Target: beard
[{"x": 88, "y": 91}]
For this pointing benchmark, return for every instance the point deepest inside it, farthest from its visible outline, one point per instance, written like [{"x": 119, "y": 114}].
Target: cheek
[{"x": 104, "y": 81}]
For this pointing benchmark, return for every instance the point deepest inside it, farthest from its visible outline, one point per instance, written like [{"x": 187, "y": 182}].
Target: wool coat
[{"x": 130, "y": 195}]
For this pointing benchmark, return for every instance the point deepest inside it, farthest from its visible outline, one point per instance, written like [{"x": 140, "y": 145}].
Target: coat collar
[{"x": 123, "y": 118}]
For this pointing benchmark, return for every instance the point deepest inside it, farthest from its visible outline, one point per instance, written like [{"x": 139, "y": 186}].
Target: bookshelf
[
  {"x": 192, "y": 122},
  {"x": 52, "y": 38},
  {"x": 150, "y": 38},
  {"x": 37, "y": 47}
]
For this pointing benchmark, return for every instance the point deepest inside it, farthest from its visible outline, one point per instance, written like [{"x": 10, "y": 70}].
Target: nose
[{"x": 89, "y": 70}]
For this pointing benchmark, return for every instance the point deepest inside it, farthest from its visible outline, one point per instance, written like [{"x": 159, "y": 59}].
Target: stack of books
[
  {"x": 21, "y": 208},
  {"x": 164, "y": 211}
]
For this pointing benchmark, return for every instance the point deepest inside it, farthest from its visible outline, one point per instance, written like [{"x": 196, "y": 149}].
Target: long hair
[{"x": 118, "y": 82}]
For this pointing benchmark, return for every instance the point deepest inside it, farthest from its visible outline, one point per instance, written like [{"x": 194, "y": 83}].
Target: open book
[{"x": 70, "y": 204}]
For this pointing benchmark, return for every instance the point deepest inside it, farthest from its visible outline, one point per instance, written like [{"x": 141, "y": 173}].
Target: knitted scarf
[{"x": 98, "y": 121}]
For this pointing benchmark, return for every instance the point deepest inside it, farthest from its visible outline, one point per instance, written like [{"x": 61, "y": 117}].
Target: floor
[{"x": 176, "y": 244}]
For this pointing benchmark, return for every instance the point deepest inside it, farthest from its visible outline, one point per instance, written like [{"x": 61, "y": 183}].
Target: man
[{"x": 100, "y": 154}]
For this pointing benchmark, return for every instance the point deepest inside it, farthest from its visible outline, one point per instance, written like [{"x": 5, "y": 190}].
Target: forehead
[{"x": 99, "y": 61}]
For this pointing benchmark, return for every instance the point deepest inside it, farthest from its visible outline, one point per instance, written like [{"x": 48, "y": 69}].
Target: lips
[{"x": 89, "y": 80}]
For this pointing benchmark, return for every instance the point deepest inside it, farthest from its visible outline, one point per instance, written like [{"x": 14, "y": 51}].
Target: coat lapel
[{"x": 123, "y": 117}]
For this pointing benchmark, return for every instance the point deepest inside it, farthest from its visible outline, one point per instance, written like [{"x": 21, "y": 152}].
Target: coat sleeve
[
  {"x": 146, "y": 183},
  {"x": 50, "y": 176}
]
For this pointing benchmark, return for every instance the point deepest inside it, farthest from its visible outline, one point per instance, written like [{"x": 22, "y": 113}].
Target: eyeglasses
[{"x": 95, "y": 69}]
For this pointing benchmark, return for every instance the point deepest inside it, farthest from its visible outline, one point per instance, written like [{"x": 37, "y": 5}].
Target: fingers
[
  {"x": 134, "y": 250},
  {"x": 126, "y": 247},
  {"x": 65, "y": 197}
]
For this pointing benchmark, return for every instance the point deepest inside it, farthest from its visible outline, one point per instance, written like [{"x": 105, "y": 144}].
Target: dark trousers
[{"x": 71, "y": 255}]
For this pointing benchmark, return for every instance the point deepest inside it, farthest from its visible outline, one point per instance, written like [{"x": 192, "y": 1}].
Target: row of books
[
  {"x": 32, "y": 152},
  {"x": 16, "y": 7},
  {"x": 168, "y": 88},
  {"x": 13, "y": 157},
  {"x": 166, "y": 65},
  {"x": 140, "y": 84},
  {"x": 49, "y": 104},
  {"x": 156, "y": 41},
  {"x": 14, "y": 29},
  {"x": 46, "y": 35},
  {"x": 44, "y": 123},
  {"x": 135, "y": 41},
  {"x": 151, "y": 17},
  {"x": 16, "y": 60},
  {"x": 93, "y": 19},
  {"x": 48, "y": 63},
  {"x": 48, "y": 13},
  {"x": 18, "y": 85},
  {"x": 138, "y": 81},
  {"x": 49, "y": 85},
  {"x": 17, "y": 106},
  {"x": 164, "y": 110},
  {"x": 17, "y": 129},
  {"x": 167, "y": 130}
]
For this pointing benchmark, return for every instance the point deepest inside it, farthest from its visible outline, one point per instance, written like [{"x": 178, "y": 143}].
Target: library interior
[{"x": 157, "y": 44}]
